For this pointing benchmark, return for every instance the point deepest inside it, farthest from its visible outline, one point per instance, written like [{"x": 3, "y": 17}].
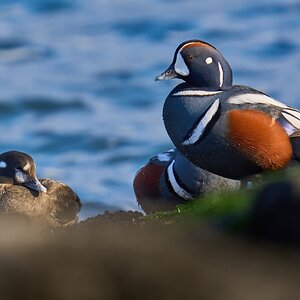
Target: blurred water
[{"x": 77, "y": 88}]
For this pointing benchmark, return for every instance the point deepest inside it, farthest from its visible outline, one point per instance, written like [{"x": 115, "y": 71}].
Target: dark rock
[{"x": 276, "y": 214}]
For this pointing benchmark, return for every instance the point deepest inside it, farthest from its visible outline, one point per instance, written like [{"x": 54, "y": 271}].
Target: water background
[{"x": 77, "y": 88}]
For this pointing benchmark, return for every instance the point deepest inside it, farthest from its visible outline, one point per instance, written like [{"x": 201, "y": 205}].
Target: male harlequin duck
[
  {"x": 45, "y": 200},
  {"x": 231, "y": 130},
  {"x": 169, "y": 179}
]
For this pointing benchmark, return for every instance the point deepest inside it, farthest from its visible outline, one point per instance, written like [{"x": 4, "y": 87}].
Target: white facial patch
[
  {"x": 181, "y": 192},
  {"x": 26, "y": 167},
  {"x": 209, "y": 60},
  {"x": 20, "y": 177},
  {"x": 180, "y": 66},
  {"x": 3, "y": 164}
]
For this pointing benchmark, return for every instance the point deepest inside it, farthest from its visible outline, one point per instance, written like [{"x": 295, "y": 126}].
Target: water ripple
[
  {"x": 77, "y": 87},
  {"x": 45, "y": 105},
  {"x": 155, "y": 30}
]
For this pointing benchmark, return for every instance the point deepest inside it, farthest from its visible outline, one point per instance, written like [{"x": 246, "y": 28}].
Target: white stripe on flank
[
  {"x": 292, "y": 111},
  {"x": 291, "y": 114},
  {"x": 198, "y": 131},
  {"x": 292, "y": 119},
  {"x": 221, "y": 74},
  {"x": 196, "y": 93},
  {"x": 255, "y": 99},
  {"x": 175, "y": 186}
]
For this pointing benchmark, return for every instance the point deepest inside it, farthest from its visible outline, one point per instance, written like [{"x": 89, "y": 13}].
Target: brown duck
[{"x": 42, "y": 200}]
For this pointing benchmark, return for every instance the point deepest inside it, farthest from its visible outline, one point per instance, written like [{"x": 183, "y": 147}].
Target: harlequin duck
[
  {"x": 42, "y": 200},
  {"x": 230, "y": 130},
  {"x": 169, "y": 179}
]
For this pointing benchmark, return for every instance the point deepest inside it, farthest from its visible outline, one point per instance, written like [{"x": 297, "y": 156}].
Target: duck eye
[
  {"x": 189, "y": 57},
  {"x": 209, "y": 60}
]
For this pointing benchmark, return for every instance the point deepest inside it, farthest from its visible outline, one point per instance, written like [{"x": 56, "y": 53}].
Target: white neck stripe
[
  {"x": 175, "y": 186},
  {"x": 221, "y": 74},
  {"x": 196, "y": 93},
  {"x": 199, "y": 129}
]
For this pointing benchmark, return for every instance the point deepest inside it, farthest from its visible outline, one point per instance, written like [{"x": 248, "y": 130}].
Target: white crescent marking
[
  {"x": 175, "y": 186},
  {"x": 221, "y": 74},
  {"x": 199, "y": 129}
]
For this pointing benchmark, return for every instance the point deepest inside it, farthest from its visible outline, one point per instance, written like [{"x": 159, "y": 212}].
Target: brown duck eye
[{"x": 189, "y": 57}]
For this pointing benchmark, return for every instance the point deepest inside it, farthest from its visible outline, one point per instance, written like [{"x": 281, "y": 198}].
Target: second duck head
[{"x": 19, "y": 168}]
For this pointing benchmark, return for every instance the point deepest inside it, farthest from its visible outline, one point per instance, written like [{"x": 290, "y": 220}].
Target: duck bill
[
  {"x": 168, "y": 74},
  {"x": 35, "y": 184}
]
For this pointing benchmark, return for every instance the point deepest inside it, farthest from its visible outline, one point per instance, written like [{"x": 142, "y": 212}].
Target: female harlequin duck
[
  {"x": 169, "y": 179},
  {"x": 45, "y": 200},
  {"x": 231, "y": 130}
]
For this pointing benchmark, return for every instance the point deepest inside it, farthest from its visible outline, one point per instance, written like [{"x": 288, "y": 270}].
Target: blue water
[{"x": 77, "y": 88}]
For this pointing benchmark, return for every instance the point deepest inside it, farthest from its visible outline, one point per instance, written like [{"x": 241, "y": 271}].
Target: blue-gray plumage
[
  {"x": 230, "y": 130},
  {"x": 169, "y": 179}
]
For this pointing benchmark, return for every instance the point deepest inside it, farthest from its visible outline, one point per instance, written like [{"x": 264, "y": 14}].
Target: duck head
[
  {"x": 201, "y": 65},
  {"x": 20, "y": 168}
]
